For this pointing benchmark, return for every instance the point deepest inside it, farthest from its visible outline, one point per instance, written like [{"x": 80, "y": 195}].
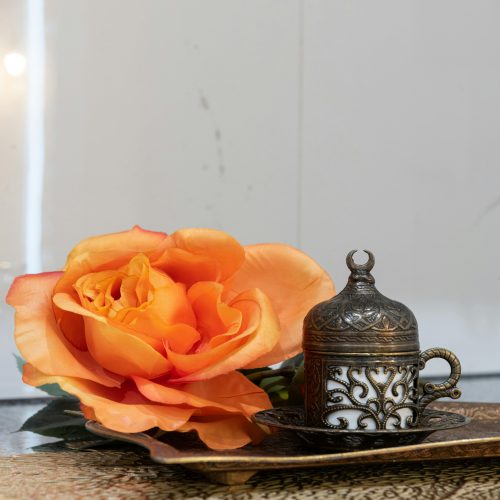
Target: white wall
[
  {"x": 12, "y": 182},
  {"x": 327, "y": 125},
  {"x": 401, "y": 154}
]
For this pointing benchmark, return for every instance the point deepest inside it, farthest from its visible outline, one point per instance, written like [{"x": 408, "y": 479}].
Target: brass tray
[{"x": 480, "y": 438}]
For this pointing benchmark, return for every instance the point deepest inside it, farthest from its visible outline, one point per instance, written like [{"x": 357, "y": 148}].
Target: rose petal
[
  {"x": 38, "y": 337},
  {"x": 102, "y": 252},
  {"x": 233, "y": 389},
  {"x": 72, "y": 328},
  {"x": 293, "y": 282},
  {"x": 116, "y": 409},
  {"x": 260, "y": 333},
  {"x": 121, "y": 352},
  {"x": 218, "y": 245},
  {"x": 169, "y": 306},
  {"x": 180, "y": 338},
  {"x": 192, "y": 366},
  {"x": 186, "y": 267},
  {"x": 225, "y": 433},
  {"x": 114, "y": 347},
  {"x": 201, "y": 255},
  {"x": 94, "y": 290},
  {"x": 109, "y": 251},
  {"x": 155, "y": 343},
  {"x": 230, "y": 393},
  {"x": 213, "y": 316}
]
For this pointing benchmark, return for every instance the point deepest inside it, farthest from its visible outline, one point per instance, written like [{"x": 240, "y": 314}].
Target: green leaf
[
  {"x": 55, "y": 390},
  {"x": 54, "y": 422},
  {"x": 276, "y": 389},
  {"x": 284, "y": 385},
  {"x": 250, "y": 371},
  {"x": 19, "y": 362},
  {"x": 280, "y": 398},
  {"x": 289, "y": 393},
  {"x": 258, "y": 376},
  {"x": 283, "y": 394},
  {"x": 296, "y": 387},
  {"x": 268, "y": 383},
  {"x": 295, "y": 362},
  {"x": 50, "y": 389}
]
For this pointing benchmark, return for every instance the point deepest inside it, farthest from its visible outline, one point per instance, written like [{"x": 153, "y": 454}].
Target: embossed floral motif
[{"x": 361, "y": 313}]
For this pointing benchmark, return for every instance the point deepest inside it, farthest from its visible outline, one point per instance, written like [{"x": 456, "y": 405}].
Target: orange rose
[{"x": 149, "y": 330}]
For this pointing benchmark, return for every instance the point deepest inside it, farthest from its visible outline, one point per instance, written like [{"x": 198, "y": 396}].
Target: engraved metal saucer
[{"x": 293, "y": 419}]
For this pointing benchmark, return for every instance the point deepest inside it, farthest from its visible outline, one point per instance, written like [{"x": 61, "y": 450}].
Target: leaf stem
[{"x": 258, "y": 376}]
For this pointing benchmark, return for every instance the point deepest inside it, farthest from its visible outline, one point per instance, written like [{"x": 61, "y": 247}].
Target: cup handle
[{"x": 447, "y": 389}]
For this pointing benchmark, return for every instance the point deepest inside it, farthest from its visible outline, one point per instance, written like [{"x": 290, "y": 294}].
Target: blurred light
[
  {"x": 35, "y": 134},
  {"x": 15, "y": 64}
]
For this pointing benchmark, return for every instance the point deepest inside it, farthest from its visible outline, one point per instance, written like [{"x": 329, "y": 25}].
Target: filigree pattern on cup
[{"x": 371, "y": 397}]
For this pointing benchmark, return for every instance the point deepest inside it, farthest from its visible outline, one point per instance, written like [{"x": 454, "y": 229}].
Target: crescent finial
[{"x": 367, "y": 266}]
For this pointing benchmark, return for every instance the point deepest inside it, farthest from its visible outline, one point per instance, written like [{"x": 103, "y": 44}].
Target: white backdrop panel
[
  {"x": 328, "y": 125},
  {"x": 401, "y": 155},
  {"x": 171, "y": 114},
  {"x": 12, "y": 185}
]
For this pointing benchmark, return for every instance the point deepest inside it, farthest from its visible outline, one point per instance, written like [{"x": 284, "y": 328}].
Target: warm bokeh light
[{"x": 14, "y": 63}]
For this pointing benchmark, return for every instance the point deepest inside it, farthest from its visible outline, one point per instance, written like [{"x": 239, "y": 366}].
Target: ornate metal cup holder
[{"x": 293, "y": 419}]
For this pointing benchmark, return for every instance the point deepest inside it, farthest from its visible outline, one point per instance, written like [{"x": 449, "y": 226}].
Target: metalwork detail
[
  {"x": 362, "y": 360},
  {"x": 361, "y": 272},
  {"x": 292, "y": 418},
  {"x": 366, "y": 312},
  {"x": 321, "y": 337},
  {"x": 377, "y": 394},
  {"x": 314, "y": 394},
  {"x": 447, "y": 389},
  {"x": 360, "y": 318}
]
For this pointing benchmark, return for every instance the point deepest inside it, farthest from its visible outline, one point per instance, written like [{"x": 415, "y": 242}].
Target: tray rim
[
  {"x": 219, "y": 462},
  {"x": 311, "y": 460}
]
